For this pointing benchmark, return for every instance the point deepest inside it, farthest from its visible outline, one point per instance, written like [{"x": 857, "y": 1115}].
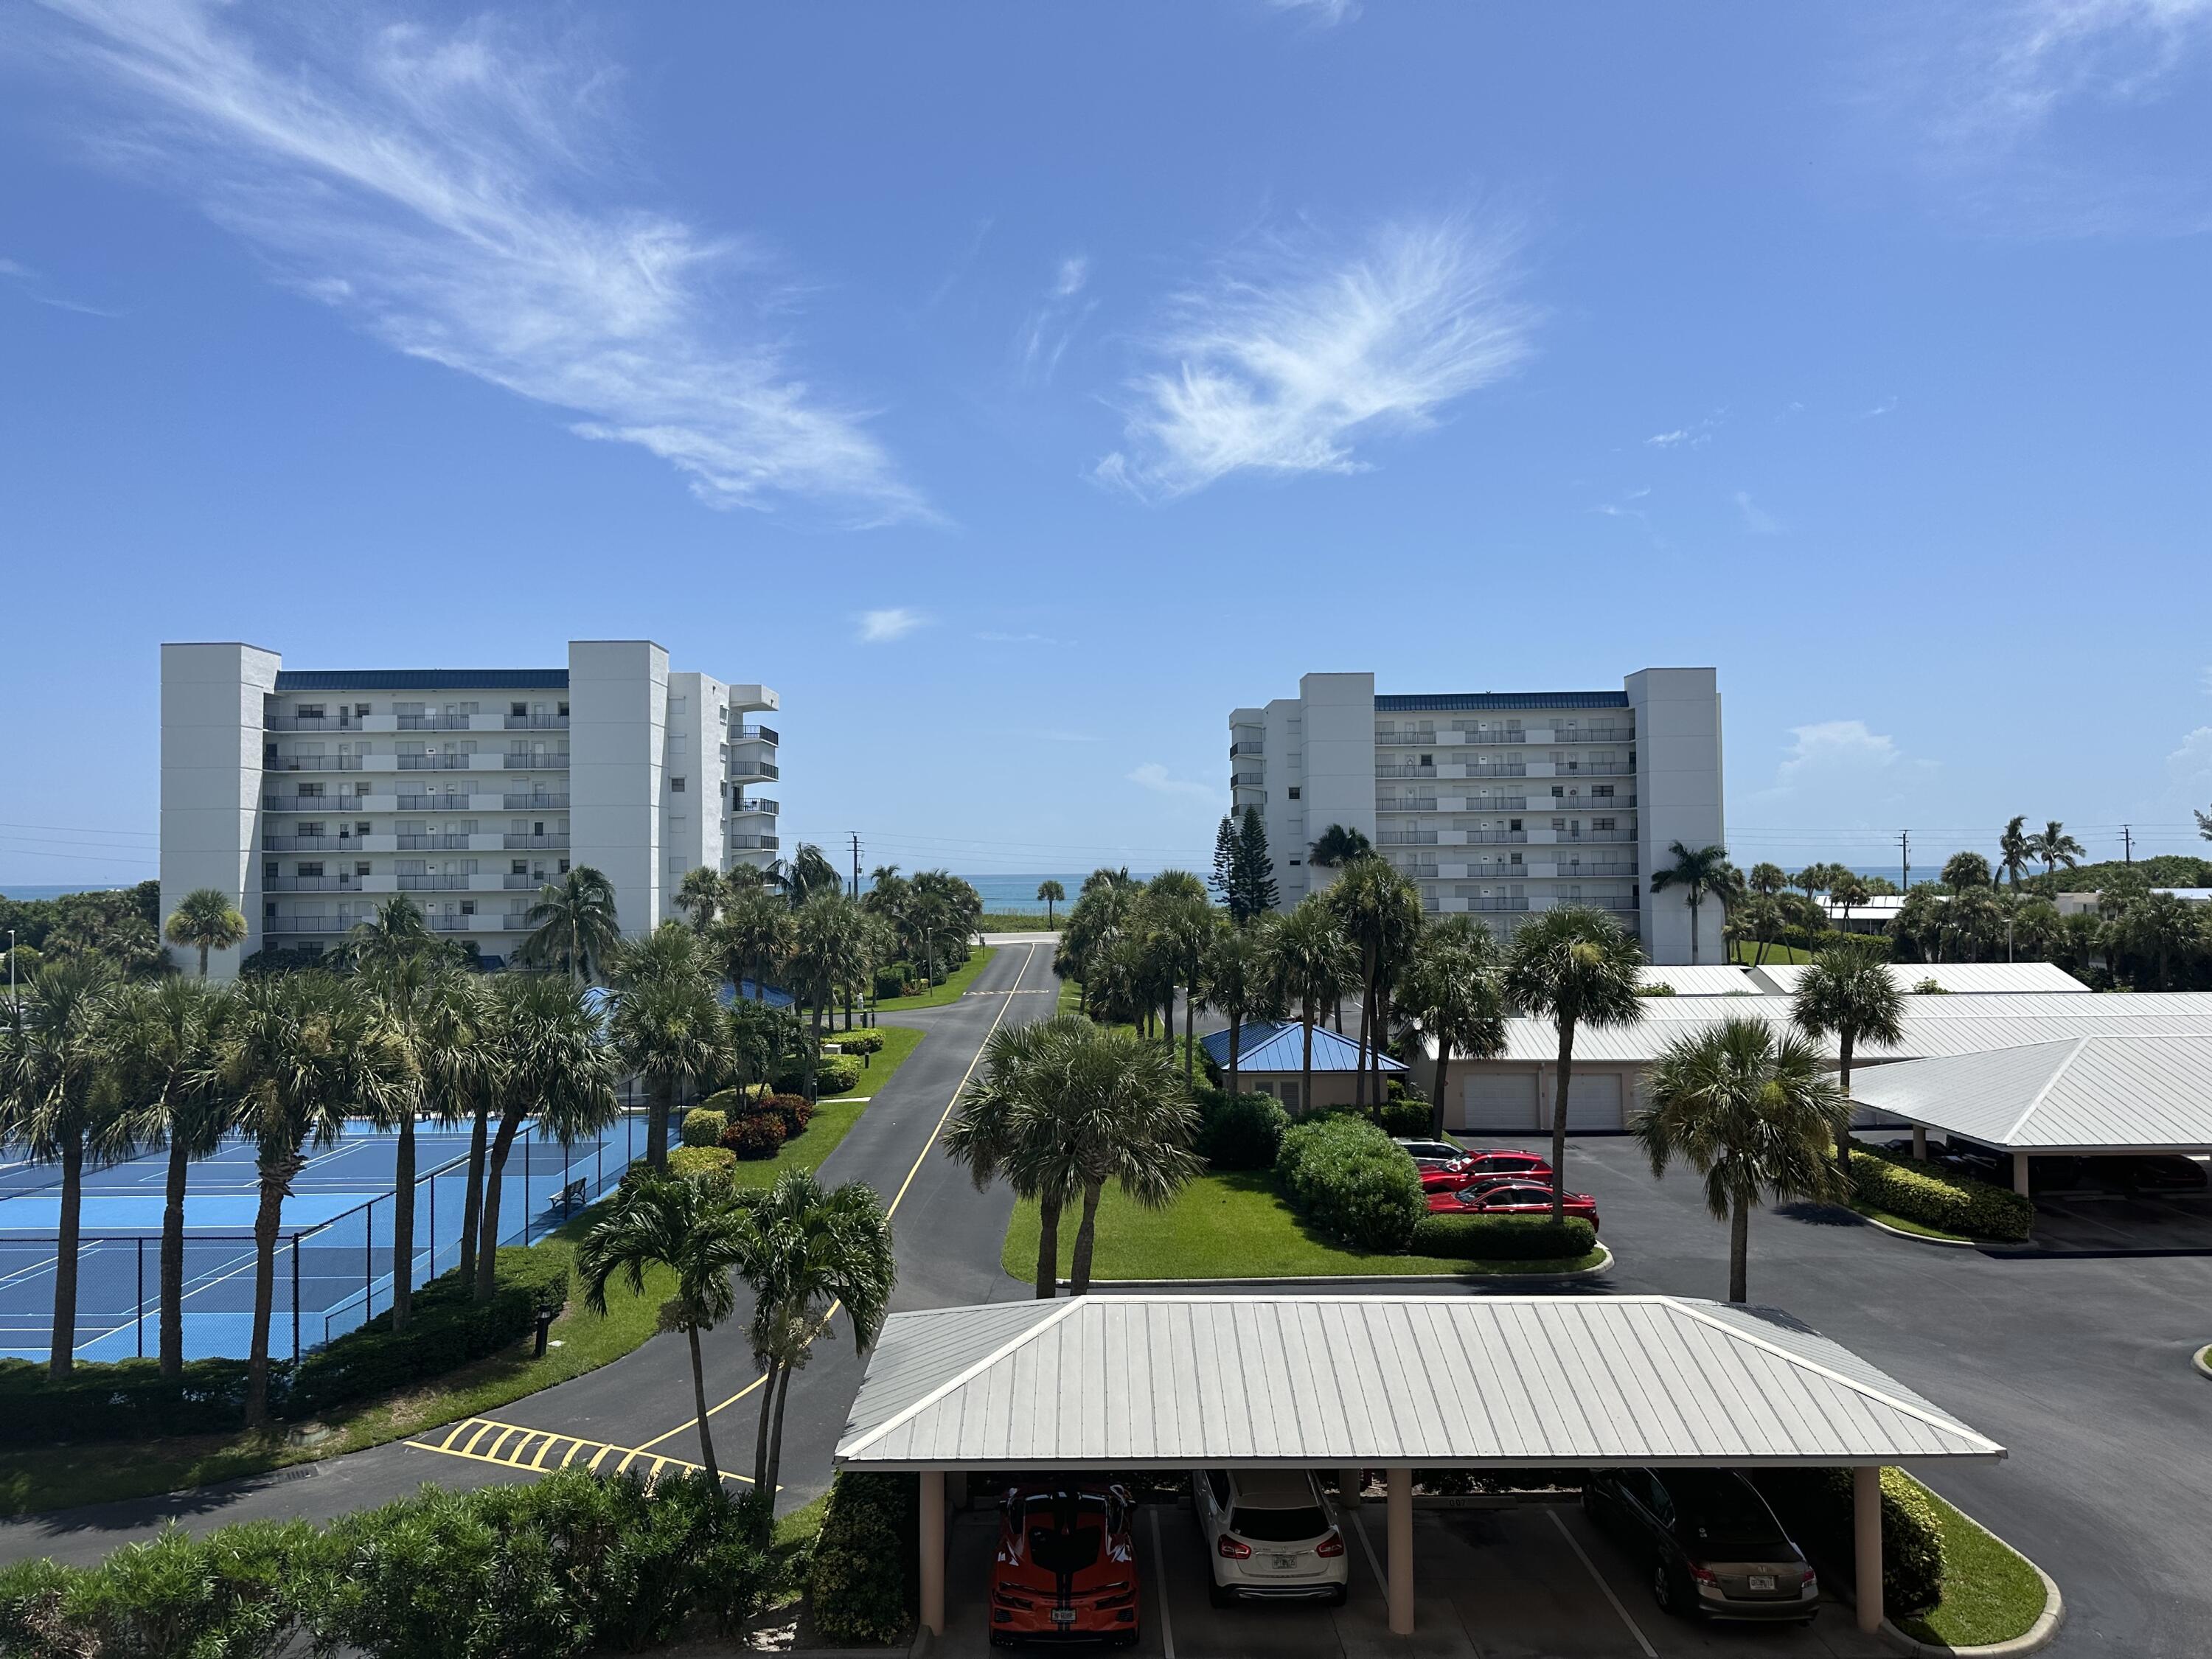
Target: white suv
[{"x": 1269, "y": 1533}]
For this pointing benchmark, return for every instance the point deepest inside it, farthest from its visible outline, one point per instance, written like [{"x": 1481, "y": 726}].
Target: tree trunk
[
  {"x": 403, "y": 1224},
  {"x": 204, "y": 957},
  {"x": 1305, "y": 1069},
  {"x": 1559, "y": 1120},
  {"x": 62, "y": 1358},
  {"x": 760, "y": 1434},
  {"x": 472, "y": 1195},
  {"x": 776, "y": 1436},
  {"x": 1436, "y": 1106},
  {"x": 699, "y": 1405},
  {"x": 1048, "y": 1261},
  {"x": 1381, "y": 1091},
  {"x": 1844, "y": 1123},
  {"x": 1236, "y": 1044},
  {"x": 656, "y": 1124},
  {"x": 1693, "y": 930},
  {"x": 1086, "y": 1236},
  {"x": 266, "y": 1220},
  {"x": 1739, "y": 1250},
  {"x": 1190, "y": 1026},
  {"x": 172, "y": 1338},
  {"x": 488, "y": 1238}
]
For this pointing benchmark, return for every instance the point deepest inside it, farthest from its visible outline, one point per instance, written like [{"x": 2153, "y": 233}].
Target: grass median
[
  {"x": 899, "y": 1041},
  {"x": 1990, "y": 1592},
  {"x": 1228, "y": 1226},
  {"x": 955, "y": 986}
]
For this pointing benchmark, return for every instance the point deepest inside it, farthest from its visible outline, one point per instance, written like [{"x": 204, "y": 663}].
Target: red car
[
  {"x": 1510, "y": 1198},
  {"x": 1525, "y": 1166},
  {"x": 1067, "y": 1568}
]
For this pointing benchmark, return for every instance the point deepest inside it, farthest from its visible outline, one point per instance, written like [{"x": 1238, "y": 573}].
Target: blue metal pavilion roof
[
  {"x": 1279, "y": 1045},
  {"x": 1414, "y": 701}
]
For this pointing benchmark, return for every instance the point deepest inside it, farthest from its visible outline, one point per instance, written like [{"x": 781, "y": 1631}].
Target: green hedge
[
  {"x": 860, "y": 1042},
  {"x": 1936, "y": 1198},
  {"x": 571, "y": 1563},
  {"x": 760, "y": 1135},
  {"x": 1343, "y": 1175},
  {"x": 835, "y": 1073},
  {"x": 118, "y": 1400},
  {"x": 1240, "y": 1132},
  {"x": 1503, "y": 1237},
  {"x": 701, "y": 1161},
  {"x": 857, "y": 1577},
  {"x": 1404, "y": 1115},
  {"x": 1814, "y": 1507},
  {"x": 703, "y": 1127}
]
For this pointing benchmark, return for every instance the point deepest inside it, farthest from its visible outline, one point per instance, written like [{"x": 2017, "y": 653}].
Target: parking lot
[{"x": 1502, "y": 1581}]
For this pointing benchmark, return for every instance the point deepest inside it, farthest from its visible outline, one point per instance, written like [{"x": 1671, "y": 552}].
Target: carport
[
  {"x": 2084, "y": 1096},
  {"x": 1132, "y": 1382}
]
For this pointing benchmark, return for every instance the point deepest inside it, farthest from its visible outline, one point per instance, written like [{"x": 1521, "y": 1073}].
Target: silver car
[{"x": 1270, "y": 1535}]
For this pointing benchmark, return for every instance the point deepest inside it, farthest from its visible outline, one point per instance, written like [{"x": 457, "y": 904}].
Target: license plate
[
  {"x": 1067, "y": 1615},
  {"x": 1284, "y": 1563},
  {"x": 1762, "y": 1580}
]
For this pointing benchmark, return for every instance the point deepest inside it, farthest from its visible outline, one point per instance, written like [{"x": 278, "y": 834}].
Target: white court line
[
  {"x": 1160, "y": 1588},
  {"x": 1635, "y": 1630}
]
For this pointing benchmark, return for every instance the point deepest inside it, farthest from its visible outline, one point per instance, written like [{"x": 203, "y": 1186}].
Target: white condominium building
[
  {"x": 1498, "y": 802},
  {"x": 310, "y": 795}
]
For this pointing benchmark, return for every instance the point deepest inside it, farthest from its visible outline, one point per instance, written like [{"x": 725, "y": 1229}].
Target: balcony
[
  {"x": 1426, "y": 803},
  {"x": 525, "y": 803},
  {"x": 1417, "y": 871},
  {"x": 753, "y": 843},
  {"x": 742, "y": 733},
  {"x": 543, "y": 760},
  {"x": 1237, "y": 749},
  {"x": 444, "y": 843},
  {"x": 741, "y": 768},
  {"x": 435, "y": 804},
  {"x": 1495, "y": 904},
  {"x": 1491, "y": 837},
  {"x": 1495, "y": 803},
  {"x": 1569, "y": 838},
  {"x": 515, "y": 884},
  {"x": 537, "y": 722},
  {"x": 1572, "y": 768},
  {"x": 1403, "y": 769},
  {"x": 437, "y": 763},
  {"x": 1596, "y": 734},
  {"x": 433, "y": 884},
  {"x": 308, "y": 804},
  {"x": 311, "y": 762},
  {"x": 311, "y": 723},
  {"x": 1403, "y": 740},
  {"x": 331, "y": 924},
  {"x": 459, "y": 924},
  {"x": 310, "y": 843},
  {"x": 1502, "y": 768},
  {"x": 1247, "y": 780},
  {"x": 1496, "y": 872},
  {"x": 756, "y": 804},
  {"x": 1513, "y": 734},
  {"x": 523, "y": 843},
  {"x": 1595, "y": 871},
  {"x": 434, "y": 722},
  {"x": 1624, "y": 902},
  {"x": 1404, "y": 838},
  {"x": 311, "y": 884}
]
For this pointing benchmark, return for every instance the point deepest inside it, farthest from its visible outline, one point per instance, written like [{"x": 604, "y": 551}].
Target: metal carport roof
[
  {"x": 2086, "y": 1094},
  {"x": 1177, "y": 1382}
]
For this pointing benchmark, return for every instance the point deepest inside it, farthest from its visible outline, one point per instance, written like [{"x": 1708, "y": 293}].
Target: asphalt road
[{"x": 948, "y": 1239}]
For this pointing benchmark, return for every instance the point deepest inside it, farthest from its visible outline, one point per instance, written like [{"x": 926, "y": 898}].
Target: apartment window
[
  {"x": 517, "y": 708},
  {"x": 518, "y": 867},
  {"x": 1294, "y": 791},
  {"x": 1517, "y": 858},
  {"x": 268, "y": 869},
  {"x": 360, "y": 829},
  {"x": 1295, "y": 863},
  {"x": 676, "y": 786},
  {"x": 1601, "y": 792},
  {"x": 360, "y": 710},
  {"x": 310, "y": 711},
  {"x": 1428, "y": 760},
  {"x": 564, "y": 863},
  {"x": 311, "y": 869},
  {"x": 1514, "y": 824},
  {"x": 1600, "y": 823},
  {"x": 310, "y": 829},
  {"x": 1558, "y": 791},
  {"x": 563, "y": 712},
  {"x": 408, "y": 711},
  {"x": 361, "y": 869},
  {"x": 468, "y": 906},
  {"x": 268, "y": 910}
]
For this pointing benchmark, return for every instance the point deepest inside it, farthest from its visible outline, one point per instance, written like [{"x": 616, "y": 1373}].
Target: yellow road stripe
[
  {"x": 469, "y": 1450},
  {"x": 538, "y": 1461},
  {"x": 492, "y": 1450},
  {"x": 530, "y": 1450}
]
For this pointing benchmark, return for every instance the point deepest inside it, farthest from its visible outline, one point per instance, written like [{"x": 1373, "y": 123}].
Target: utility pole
[
  {"x": 1905, "y": 857},
  {"x": 856, "y": 864},
  {"x": 2128, "y": 843}
]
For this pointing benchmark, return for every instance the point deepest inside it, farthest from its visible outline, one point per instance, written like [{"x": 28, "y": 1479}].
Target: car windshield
[
  {"x": 1083, "y": 1515},
  {"x": 1718, "y": 1506},
  {"x": 1278, "y": 1526}
]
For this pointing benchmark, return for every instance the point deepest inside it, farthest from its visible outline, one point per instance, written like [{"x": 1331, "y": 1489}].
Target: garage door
[
  {"x": 1499, "y": 1100},
  {"x": 1594, "y": 1101}
]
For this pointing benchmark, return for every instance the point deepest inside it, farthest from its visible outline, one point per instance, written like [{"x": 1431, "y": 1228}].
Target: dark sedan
[{"x": 1709, "y": 1546}]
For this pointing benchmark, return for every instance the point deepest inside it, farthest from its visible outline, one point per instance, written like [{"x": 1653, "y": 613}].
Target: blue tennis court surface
[{"x": 334, "y": 1261}]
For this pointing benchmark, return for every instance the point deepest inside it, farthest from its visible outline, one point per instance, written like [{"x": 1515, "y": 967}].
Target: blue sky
[{"x": 1017, "y": 388}]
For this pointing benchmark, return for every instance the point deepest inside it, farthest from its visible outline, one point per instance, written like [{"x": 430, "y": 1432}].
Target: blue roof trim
[
  {"x": 1279, "y": 1045},
  {"x": 1501, "y": 700},
  {"x": 422, "y": 679}
]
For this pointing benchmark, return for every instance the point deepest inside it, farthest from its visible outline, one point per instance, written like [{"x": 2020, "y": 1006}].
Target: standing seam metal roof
[
  {"x": 1277, "y": 1045},
  {"x": 2123, "y": 1093},
  {"x": 1173, "y": 1382}
]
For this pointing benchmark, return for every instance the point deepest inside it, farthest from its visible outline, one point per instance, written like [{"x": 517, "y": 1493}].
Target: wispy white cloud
[
  {"x": 2193, "y": 759},
  {"x": 2036, "y": 55},
  {"x": 1756, "y": 518},
  {"x": 1284, "y": 358},
  {"x": 1829, "y": 747},
  {"x": 32, "y": 286},
  {"x": 1887, "y": 406},
  {"x": 447, "y": 187},
  {"x": 1154, "y": 776},
  {"x": 1322, "y": 14},
  {"x": 893, "y": 622},
  {"x": 1696, "y": 435},
  {"x": 1668, "y": 440},
  {"x": 1052, "y": 325}
]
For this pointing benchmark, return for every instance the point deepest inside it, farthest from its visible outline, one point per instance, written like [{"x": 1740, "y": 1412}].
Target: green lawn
[
  {"x": 1070, "y": 998},
  {"x": 955, "y": 985},
  {"x": 1744, "y": 950},
  {"x": 899, "y": 1041},
  {"x": 1990, "y": 1594},
  {"x": 1022, "y": 921},
  {"x": 1223, "y": 1226},
  {"x": 57, "y": 1477}
]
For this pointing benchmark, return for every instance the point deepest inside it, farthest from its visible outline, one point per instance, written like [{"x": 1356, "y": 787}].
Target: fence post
[
  {"x": 526, "y": 1211},
  {"x": 368, "y": 1265},
  {"x": 433, "y": 1233},
  {"x": 141, "y": 1311},
  {"x": 296, "y": 1300}
]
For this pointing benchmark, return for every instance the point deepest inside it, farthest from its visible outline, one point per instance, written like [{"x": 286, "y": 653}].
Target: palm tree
[
  {"x": 1965, "y": 870},
  {"x": 299, "y": 1053},
  {"x": 693, "y": 1227},
  {"x": 2161, "y": 927},
  {"x": 205, "y": 920},
  {"x": 160, "y": 1049},
  {"x": 832, "y": 950},
  {"x": 548, "y": 1064},
  {"x": 1337, "y": 846},
  {"x": 809, "y": 872},
  {"x": 702, "y": 893},
  {"x": 668, "y": 1030},
  {"x": 573, "y": 925},
  {"x": 1310, "y": 963},
  {"x": 396, "y": 956},
  {"x": 1052, "y": 893},
  {"x": 54, "y": 1106},
  {"x": 2016, "y": 849},
  {"x": 1452, "y": 994},
  {"x": 807, "y": 1252},
  {"x": 1380, "y": 912},
  {"x": 1766, "y": 879},
  {"x": 1020, "y": 1079},
  {"x": 1849, "y": 993},
  {"x": 458, "y": 1070},
  {"x": 1706, "y": 870},
  {"x": 2055, "y": 849},
  {"x": 1182, "y": 922},
  {"x": 1574, "y": 966},
  {"x": 1234, "y": 983},
  {"x": 753, "y": 935},
  {"x": 1758, "y": 918},
  {"x": 1751, "y": 1112}
]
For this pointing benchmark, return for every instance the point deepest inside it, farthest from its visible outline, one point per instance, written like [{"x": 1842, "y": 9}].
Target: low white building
[{"x": 311, "y": 795}]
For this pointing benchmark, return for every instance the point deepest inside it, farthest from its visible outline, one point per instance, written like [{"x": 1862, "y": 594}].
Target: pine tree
[
  {"x": 1253, "y": 891},
  {"x": 1225, "y": 869}
]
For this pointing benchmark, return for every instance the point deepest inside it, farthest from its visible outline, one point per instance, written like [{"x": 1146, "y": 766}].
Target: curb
[
  {"x": 1603, "y": 1266},
  {"x": 1919, "y": 1238},
  {"x": 2202, "y": 1360},
  {"x": 2038, "y": 1635}
]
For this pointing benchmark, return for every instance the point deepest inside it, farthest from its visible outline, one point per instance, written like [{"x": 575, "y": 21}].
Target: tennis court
[{"x": 334, "y": 1264}]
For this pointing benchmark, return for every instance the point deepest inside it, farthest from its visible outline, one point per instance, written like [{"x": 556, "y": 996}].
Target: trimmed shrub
[
  {"x": 1503, "y": 1237},
  {"x": 835, "y": 1074},
  {"x": 797, "y": 1111},
  {"x": 703, "y": 1127},
  {"x": 759, "y": 1135},
  {"x": 860, "y": 1042},
  {"x": 122, "y": 1399},
  {"x": 857, "y": 1577},
  {"x": 1407, "y": 1115},
  {"x": 1814, "y": 1507},
  {"x": 1241, "y": 1131},
  {"x": 1343, "y": 1175},
  {"x": 735, "y": 1102},
  {"x": 1936, "y": 1198},
  {"x": 895, "y": 979},
  {"x": 701, "y": 1161}
]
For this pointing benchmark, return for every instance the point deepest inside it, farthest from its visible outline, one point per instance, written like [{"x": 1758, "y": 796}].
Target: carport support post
[
  {"x": 1399, "y": 1533},
  {"x": 1347, "y": 1487},
  {"x": 933, "y": 1551},
  {"x": 2020, "y": 1173},
  {"x": 1919, "y": 1143},
  {"x": 1866, "y": 1532}
]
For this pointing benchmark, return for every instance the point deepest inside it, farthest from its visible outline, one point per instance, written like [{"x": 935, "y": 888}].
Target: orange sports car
[{"x": 1067, "y": 1568}]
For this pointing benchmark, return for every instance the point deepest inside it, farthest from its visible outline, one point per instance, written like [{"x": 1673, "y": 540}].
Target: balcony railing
[
  {"x": 742, "y": 768},
  {"x": 1497, "y": 872},
  {"x": 754, "y": 734},
  {"x": 515, "y": 884},
  {"x": 1237, "y": 749},
  {"x": 311, "y": 884},
  {"x": 435, "y": 804},
  {"x": 1403, "y": 769},
  {"x": 1497, "y": 803},
  {"x": 438, "y": 762},
  {"x": 310, "y": 763},
  {"x": 1402, "y": 738},
  {"x": 308, "y": 804},
  {"x": 756, "y": 804},
  {"x": 444, "y": 843},
  {"x": 1575, "y": 769},
  {"x": 1247, "y": 780},
  {"x": 310, "y": 843},
  {"x": 433, "y": 884},
  {"x": 1566, "y": 838},
  {"x": 458, "y": 923},
  {"x": 1512, "y": 769},
  {"x": 1515, "y": 734},
  {"x": 1505, "y": 903},
  {"x": 1419, "y": 872},
  {"x": 519, "y": 843},
  {"x": 307, "y": 924},
  {"x": 1491, "y": 837},
  {"x": 434, "y": 722},
  {"x": 1602, "y": 901},
  {"x": 524, "y": 803},
  {"x": 542, "y": 761},
  {"x": 1593, "y": 872},
  {"x": 1426, "y": 803},
  {"x": 537, "y": 722},
  {"x": 754, "y": 844},
  {"x": 1596, "y": 734},
  {"x": 311, "y": 723},
  {"x": 1404, "y": 838}
]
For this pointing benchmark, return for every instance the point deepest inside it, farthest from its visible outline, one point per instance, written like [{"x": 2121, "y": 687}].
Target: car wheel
[
  {"x": 1663, "y": 1587},
  {"x": 1220, "y": 1594}
]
